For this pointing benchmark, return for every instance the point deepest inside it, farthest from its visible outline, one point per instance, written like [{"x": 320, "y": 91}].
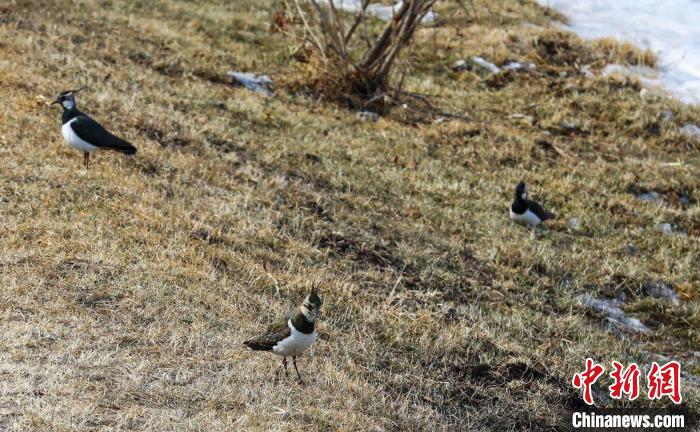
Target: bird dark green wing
[
  {"x": 276, "y": 332},
  {"x": 93, "y": 133},
  {"x": 541, "y": 213},
  {"x": 278, "y": 324}
]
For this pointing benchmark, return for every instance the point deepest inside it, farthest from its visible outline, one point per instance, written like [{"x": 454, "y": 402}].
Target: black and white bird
[
  {"x": 292, "y": 335},
  {"x": 527, "y": 212},
  {"x": 85, "y": 134}
]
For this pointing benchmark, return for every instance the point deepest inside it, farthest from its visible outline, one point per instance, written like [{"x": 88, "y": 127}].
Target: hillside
[{"x": 128, "y": 288}]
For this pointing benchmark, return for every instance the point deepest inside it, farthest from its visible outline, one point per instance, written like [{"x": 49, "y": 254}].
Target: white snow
[
  {"x": 383, "y": 12},
  {"x": 513, "y": 65},
  {"x": 615, "y": 316},
  {"x": 691, "y": 130},
  {"x": 254, "y": 82},
  {"x": 486, "y": 64},
  {"x": 670, "y": 28}
]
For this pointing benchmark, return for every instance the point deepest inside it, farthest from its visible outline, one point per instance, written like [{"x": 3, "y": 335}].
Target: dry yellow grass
[{"x": 128, "y": 288}]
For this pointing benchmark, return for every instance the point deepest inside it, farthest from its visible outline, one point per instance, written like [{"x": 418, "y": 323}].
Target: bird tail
[
  {"x": 256, "y": 346},
  {"x": 124, "y": 147}
]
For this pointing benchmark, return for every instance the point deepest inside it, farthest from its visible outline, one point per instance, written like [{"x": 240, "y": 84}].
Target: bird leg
[
  {"x": 86, "y": 159},
  {"x": 284, "y": 362},
  {"x": 294, "y": 362}
]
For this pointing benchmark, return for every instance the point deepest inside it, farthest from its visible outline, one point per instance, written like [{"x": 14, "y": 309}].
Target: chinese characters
[{"x": 661, "y": 381}]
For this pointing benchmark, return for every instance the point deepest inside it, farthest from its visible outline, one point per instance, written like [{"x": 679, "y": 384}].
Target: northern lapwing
[
  {"x": 83, "y": 133},
  {"x": 527, "y": 212},
  {"x": 292, "y": 335}
]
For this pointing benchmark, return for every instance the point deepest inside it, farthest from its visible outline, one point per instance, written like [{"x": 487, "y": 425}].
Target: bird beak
[{"x": 55, "y": 102}]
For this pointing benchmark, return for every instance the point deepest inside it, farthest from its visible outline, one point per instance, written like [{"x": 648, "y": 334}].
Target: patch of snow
[
  {"x": 606, "y": 307},
  {"x": 691, "y": 130},
  {"x": 616, "y": 317},
  {"x": 625, "y": 323},
  {"x": 258, "y": 83},
  {"x": 460, "y": 65},
  {"x": 661, "y": 290},
  {"x": 514, "y": 65},
  {"x": 485, "y": 64},
  {"x": 664, "y": 228},
  {"x": 667, "y": 116},
  {"x": 383, "y": 12},
  {"x": 651, "y": 196},
  {"x": 647, "y": 76},
  {"x": 669, "y": 28}
]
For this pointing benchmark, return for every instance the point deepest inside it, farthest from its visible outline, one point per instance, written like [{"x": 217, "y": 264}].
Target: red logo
[
  {"x": 661, "y": 381},
  {"x": 665, "y": 381},
  {"x": 586, "y": 379},
  {"x": 626, "y": 382}
]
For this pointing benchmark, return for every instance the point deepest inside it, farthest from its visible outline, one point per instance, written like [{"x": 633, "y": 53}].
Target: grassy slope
[{"x": 128, "y": 288}]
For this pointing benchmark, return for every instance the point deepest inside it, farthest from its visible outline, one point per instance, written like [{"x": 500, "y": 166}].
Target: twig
[
  {"x": 358, "y": 19},
  {"x": 433, "y": 110},
  {"x": 374, "y": 99}
]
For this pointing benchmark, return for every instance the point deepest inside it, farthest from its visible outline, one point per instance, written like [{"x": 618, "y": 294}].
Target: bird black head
[
  {"x": 521, "y": 191},
  {"x": 67, "y": 98},
  {"x": 311, "y": 307}
]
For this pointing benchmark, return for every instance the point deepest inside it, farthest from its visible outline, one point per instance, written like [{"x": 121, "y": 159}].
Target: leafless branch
[{"x": 365, "y": 71}]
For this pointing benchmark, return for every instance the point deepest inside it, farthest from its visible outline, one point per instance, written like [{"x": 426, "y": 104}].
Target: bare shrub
[{"x": 350, "y": 65}]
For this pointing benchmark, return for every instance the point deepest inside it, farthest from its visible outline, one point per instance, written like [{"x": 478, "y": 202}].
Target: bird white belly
[
  {"x": 527, "y": 219},
  {"x": 295, "y": 344},
  {"x": 73, "y": 140}
]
